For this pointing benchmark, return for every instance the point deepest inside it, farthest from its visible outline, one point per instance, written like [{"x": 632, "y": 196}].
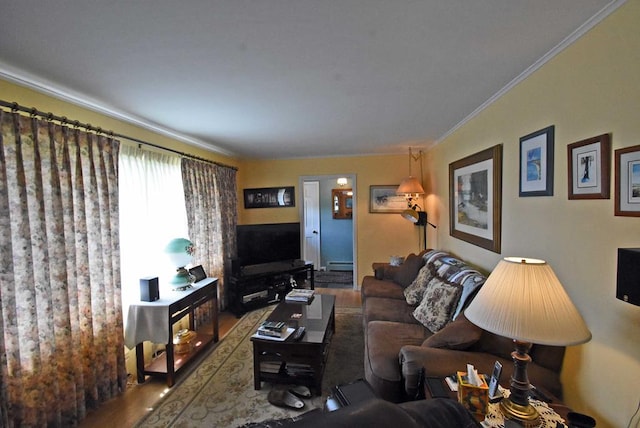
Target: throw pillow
[
  {"x": 407, "y": 271},
  {"x": 438, "y": 303},
  {"x": 413, "y": 293},
  {"x": 471, "y": 281},
  {"x": 459, "y": 334}
]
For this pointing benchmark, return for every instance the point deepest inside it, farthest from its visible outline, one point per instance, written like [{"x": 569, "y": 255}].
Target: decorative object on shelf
[
  {"x": 475, "y": 198},
  {"x": 270, "y": 197},
  {"x": 524, "y": 300},
  {"x": 183, "y": 341},
  {"x": 627, "y": 187},
  {"x": 589, "y": 168},
  {"x": 198, "y": 273},
  {"x": 180, "y": 252},
  {"x": 411, "y": 188},
  {"x": 536, "y": 163},
  {"x": 383, "y": 199}
]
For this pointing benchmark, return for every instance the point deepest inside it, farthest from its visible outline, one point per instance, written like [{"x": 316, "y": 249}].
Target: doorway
[{"x": 328, "y": 240}]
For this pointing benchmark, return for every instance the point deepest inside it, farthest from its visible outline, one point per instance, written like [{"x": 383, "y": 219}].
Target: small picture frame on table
[
  {"x": 536, "y": 163},
  {"x": 627, "y": 185},
  {"x": 589, "y": 168}
]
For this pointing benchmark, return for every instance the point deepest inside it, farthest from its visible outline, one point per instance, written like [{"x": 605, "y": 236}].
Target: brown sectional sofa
[{"x": 400, "y": 349}]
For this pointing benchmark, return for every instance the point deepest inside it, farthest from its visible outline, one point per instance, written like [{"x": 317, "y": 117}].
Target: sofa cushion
[
  {"x": 438, "y": 302},
  {"x": 459, "y": 334},
  {"x": 407, "y": 271},
  {"x": 414, "y": 292},
  {"x": 372, "y": 287},
  {"x": 381, "y": 309}
]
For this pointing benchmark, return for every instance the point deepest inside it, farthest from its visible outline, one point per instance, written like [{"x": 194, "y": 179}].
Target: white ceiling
[{"x": 288, "y": 78}]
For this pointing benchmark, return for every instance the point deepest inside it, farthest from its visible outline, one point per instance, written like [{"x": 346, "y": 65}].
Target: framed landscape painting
[
  {"x": 627, "y": 197},
  {"x": 383, "y": 199},
  {"x": 536, "y": 163},
  {"x": 475, "y": 198}
]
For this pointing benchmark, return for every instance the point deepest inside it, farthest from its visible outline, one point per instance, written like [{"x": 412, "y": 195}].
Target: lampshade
[
  {"x": 523, "y": 300},
  {"x": 410, "y": 186},
  {"x": 342, "y": 181},
  {"x": 411, "y": 215},
  {"x": 180, "y": 252}
]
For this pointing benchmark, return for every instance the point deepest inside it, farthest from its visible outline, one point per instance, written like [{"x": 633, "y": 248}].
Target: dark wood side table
[
  {"x": 153, "y": 321},
  {"x": 297, "y": 362}
]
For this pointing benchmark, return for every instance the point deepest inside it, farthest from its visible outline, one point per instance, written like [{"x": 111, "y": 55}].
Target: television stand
[{"x": 256, "y": 286}]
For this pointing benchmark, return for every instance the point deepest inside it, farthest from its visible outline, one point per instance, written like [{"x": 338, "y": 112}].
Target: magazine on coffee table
[{"x": 281, "y": 338}]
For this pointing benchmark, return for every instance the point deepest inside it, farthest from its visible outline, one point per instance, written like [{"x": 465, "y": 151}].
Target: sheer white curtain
[{"x": 152, "y": 212}]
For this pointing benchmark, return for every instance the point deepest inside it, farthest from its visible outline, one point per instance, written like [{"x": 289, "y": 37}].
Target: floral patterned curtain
[
  {"x": 61, "y": 343},
  {"x": 210, "y": 196}
]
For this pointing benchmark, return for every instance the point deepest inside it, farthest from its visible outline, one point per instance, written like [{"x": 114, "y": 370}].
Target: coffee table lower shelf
[{"x": 159, "y": 367}]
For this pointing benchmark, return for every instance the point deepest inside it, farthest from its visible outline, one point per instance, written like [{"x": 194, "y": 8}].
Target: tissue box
[{"x": 474, "y": 398}]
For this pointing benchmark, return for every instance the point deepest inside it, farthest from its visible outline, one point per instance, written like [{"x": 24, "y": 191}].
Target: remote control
[{"x": 297, "y": 335}]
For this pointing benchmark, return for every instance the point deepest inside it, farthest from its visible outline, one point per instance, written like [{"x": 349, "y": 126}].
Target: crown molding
[
  {"x": 22, "y": 78},
  {"x": 569, "y": 40}
]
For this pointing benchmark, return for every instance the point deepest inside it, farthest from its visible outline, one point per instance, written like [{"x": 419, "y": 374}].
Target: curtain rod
[{"x": 63, "y": 120}]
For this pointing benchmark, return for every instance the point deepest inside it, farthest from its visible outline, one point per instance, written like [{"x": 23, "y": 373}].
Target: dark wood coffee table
[{"x": 297, "y": 362}]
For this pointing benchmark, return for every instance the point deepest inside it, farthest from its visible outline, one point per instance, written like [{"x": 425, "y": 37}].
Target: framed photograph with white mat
[
  {"x": 589, "y": 168},
  {"x": 627, "y": 186},
  {"x": 536, "y": 163}
]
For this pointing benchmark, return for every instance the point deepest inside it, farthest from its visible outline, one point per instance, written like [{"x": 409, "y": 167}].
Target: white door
[{"x": 311, "y": 214}]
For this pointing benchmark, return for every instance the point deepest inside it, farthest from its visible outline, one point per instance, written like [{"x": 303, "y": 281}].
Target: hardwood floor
[{"x": 125, "y": 410}]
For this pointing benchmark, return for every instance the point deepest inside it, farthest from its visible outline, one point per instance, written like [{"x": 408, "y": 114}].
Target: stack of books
[
  {"x": 299, "y": 370},
  {"x": 272, "y": 329},
  {"x": 299, "y": 295}
]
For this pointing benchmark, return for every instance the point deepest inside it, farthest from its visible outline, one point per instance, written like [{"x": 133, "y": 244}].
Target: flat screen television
[{"x": 267, "y": 243}]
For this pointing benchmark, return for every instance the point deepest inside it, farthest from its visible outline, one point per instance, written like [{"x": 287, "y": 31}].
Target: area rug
[
  {"x": 333, "y": 279},
  {"x": 219, "y": 391}
]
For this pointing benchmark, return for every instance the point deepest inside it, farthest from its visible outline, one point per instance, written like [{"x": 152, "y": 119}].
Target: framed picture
[
  {"x": 475, "y": 198},
  {"x": 627, "y": 187},
  {"x": 589, "y": 168},
  {"x": 384, "y": 200},
  {"x": 270, "y": 197},
  {"x": 536, "y": 163}
]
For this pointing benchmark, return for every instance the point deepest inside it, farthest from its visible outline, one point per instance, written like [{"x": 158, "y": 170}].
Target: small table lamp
[
  {"x": 523, "y": 299},
  {"x": 180, "y": 252}
]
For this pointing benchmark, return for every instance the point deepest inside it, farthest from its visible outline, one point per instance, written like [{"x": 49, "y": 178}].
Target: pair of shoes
[
  {"x": 289, "y": 396},
  {"x": 300, "y": 391},
  {"x": 284, "y": 398}
]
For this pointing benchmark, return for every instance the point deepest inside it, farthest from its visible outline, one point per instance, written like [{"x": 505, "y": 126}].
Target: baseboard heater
[{"x": 334, "y": 265}]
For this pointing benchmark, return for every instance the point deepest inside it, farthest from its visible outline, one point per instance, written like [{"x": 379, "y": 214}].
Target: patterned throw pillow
[
  {"x": 413, "y": 293},
  {"x": 438, "y": 302}
]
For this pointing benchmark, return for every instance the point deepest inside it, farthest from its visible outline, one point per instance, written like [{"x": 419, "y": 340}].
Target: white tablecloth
[{"x": 150, "y": 320}]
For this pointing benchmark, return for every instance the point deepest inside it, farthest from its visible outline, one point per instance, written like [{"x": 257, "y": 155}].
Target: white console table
[{"x": 153, "y": 321}]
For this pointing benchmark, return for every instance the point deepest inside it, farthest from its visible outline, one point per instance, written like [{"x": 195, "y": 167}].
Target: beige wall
[
  {"x": 378, "y": 236},
  {"x": 589, "y": 89}
]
